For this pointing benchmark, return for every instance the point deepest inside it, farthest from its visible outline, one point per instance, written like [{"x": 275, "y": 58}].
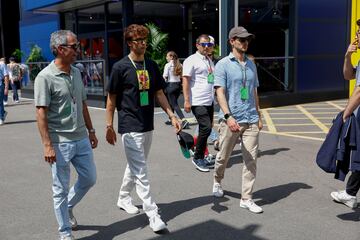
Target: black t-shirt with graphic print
[{"x": 132, "y": 117}]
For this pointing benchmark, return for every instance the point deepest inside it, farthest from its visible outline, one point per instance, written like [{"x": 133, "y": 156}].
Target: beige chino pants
[{"x": 249, "y": 148}]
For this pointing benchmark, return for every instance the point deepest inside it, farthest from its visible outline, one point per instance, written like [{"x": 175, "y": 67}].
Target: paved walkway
[{"x": 293, "y": 191}]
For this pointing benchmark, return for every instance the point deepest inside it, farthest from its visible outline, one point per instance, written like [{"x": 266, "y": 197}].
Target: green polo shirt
[{"x": 56, "y": 90}]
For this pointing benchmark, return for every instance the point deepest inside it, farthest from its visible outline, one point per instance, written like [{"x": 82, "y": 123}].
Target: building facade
[{"x": 299, "y": 44}]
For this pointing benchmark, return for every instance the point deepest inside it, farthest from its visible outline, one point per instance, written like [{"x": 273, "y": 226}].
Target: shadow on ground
[
  {"x": 273, "y": 194},
  {"x": 236, "y": 157},
  {"x": 168, "y": 212},
  {"x": 20, "y": 122},
  {"x": 352, "y": 216}
]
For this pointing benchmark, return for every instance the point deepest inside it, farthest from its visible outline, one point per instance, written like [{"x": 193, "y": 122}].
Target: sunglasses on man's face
[
  {"x": 206, "y": 44},
  {"x": 74, "y": 46},
  {"x": 140, "y": 40},
  {"x": 243, "y": 40}
]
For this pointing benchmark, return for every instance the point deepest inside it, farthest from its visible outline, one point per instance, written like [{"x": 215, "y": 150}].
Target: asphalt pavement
[{"x": 292, "y": 190}]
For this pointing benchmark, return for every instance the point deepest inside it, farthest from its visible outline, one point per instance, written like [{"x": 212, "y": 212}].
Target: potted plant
[{"x": 157, "y": 45}]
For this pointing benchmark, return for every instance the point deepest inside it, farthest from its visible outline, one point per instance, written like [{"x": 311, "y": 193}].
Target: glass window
[
  {"x": 269, "y": 21},
  {"x": 115, "y": 17},
  {"x": 91, "y": 19}
]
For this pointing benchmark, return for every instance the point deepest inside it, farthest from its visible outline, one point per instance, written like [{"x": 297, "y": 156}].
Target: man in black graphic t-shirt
[{"x": 134, "y": 83}]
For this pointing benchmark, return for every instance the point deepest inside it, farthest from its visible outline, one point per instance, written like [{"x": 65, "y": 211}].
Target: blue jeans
[
  {"x": 2, "y": 109},
  {"x": 80, "y": 154}
]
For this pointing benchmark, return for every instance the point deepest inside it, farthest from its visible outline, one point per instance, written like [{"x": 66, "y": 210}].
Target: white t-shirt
[
  {"x": 198, "y": 67},
  {"x": 168, "y": 74}
]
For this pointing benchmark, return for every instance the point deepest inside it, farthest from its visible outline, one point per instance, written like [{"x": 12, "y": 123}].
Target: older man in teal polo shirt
[
  {"x": 65, "y": 127},
  {"x": 236, "y": 85}
]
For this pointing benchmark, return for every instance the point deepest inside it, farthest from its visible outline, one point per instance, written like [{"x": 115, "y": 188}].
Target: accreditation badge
[
  {"x": 144, "y": 98},
  {"x": 143, "y": 79},
  {"x": 244, "y": 93},
  {"x": 210, "y": 78}
]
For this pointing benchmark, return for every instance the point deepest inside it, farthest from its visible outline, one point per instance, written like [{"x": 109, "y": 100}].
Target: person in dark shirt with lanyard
[{"x": 134, "y": 83}]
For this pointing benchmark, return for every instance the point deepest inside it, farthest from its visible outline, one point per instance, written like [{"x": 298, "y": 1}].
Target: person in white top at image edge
[
  {"x": 348, "y": 196},
  {"x": 172, "y": 75}
]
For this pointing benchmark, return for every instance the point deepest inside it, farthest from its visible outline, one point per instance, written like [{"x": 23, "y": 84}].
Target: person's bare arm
[
  {"x": 42, "y": 122},
  {"x": 6, "y": 81},
  {"x": 348, "y": 68},
  {"x": 92, "y": 137},
  {"x": 231, "y": 122},
  {"x": 186, "y": 92},
  {"x": 354, "y": 101},
  {"x": 110, "y": 109},
  {"x": 260, "y": 125}
]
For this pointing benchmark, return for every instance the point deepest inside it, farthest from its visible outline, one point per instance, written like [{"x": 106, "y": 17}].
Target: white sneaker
[
  {"x": 127, "y": 206},
  {"x": 72, "y": 219},
  {"x": 156, "y": 224},
  {"x": 343, "y": 197},
  {"x": 2, "y": 121},
  {"x": 217, "y": 190},
  {"x": 249, "y": 204},
  {"x": 5, "y": 103},
  {"x": 71, "y": 237}
]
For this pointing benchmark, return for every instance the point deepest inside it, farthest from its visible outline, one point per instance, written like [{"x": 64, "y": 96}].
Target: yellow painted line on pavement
[
  {"x": 283, "y": 109},
  {"x": 290, "y": 113},
  {"x": 292, "y": 135},
  {"x": 318, "y": 108},
  {"x": 312, "y": 118},
  {"x": 294, "y": 124},
  {"x": 322, "y": 112},
  {"x": 325, "y": 117},
  {"x": 311, "y": 132},
  {"x": 285, "y": 118},
  {"x": 335, "y": 105},
  {"x": 269, "y": 122}
]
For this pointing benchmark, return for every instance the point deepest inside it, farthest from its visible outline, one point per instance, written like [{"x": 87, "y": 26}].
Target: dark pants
[
  {"x": 353, "y": 184},
  {"x": 173, "y": 91},
  {"x": 14, "y": 86},
  {"x": 2, "y": 110},
  {"x": 204, "y": 116}
]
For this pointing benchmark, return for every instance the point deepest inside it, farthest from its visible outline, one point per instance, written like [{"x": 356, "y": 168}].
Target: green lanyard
[
  {"x": 134, "y": 63},
  {"x": 70, "y": 86}
]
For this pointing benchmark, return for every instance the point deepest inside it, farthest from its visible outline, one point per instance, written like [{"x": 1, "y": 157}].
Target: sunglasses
[
  {"x": 74, "y": 46},
  {"x": 243, "y": 40},
  {"x": 206, "y": 44},
  {"x": 139, "y": 40}
]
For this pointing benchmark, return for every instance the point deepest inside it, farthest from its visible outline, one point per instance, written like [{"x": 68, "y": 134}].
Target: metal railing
[{"x": 92, "y": 73}]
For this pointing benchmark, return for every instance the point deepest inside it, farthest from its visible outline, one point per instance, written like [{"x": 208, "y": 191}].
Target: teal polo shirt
[
  {"x": 56, "y": 90},
  {"x": 231, "y": 75}
]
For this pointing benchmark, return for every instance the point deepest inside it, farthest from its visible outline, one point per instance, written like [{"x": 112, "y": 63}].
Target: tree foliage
[{"x": 157, "y": 44}]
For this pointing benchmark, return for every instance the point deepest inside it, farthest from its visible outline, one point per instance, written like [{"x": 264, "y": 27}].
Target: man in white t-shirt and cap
[{"x": 198, "y": 90}]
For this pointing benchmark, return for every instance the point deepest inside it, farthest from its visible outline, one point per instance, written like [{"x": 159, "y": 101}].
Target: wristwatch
[
  {"x": 227, "y": 115},
  {"x": 92, "y": 130}
]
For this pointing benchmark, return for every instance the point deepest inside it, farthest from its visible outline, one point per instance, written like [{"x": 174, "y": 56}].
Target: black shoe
[
  {"x": 168, "y": 122},
  {"x": 185, "y": 125}
]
